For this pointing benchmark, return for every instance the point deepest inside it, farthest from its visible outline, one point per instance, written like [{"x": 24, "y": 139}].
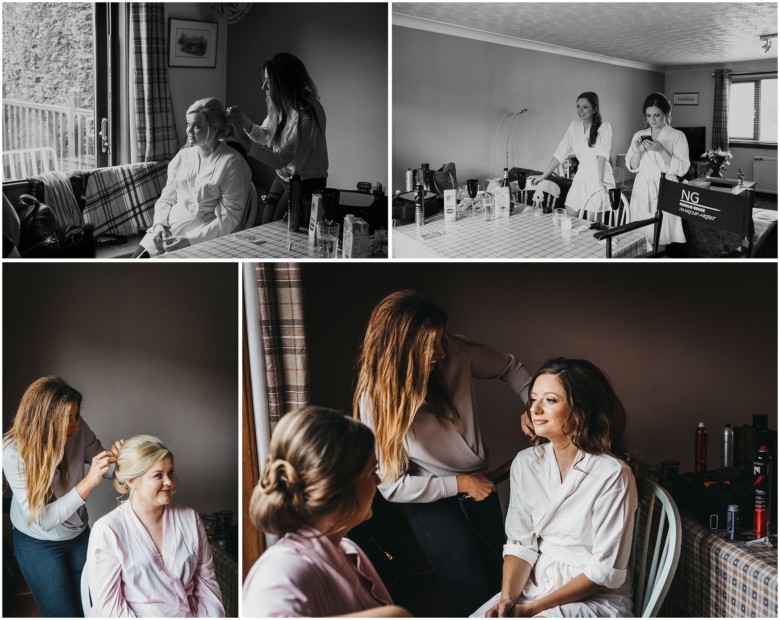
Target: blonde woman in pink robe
[{"x": 149, "y": 557}]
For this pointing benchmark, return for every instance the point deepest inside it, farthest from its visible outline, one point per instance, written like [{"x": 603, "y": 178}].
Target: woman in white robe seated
[
  {"x": 573, "y": 497},
  {"x": 207, "y": 192},
  {"x": 149, "y": 557}
]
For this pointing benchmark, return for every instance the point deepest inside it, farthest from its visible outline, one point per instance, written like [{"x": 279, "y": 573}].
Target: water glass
[
  {"x": 327, "y": 238},
  {"x": 558, "y": 215},
  {"x": 566, "y": 224},
  {"x": 489, "y": 206}
]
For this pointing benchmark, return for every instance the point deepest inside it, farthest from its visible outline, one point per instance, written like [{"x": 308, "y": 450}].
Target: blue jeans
[
  {"x": 463, "y": 540},
  {"x": 52, "y": 570}
]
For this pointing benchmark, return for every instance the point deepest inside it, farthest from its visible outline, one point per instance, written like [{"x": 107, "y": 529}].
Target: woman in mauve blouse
[{"x": 150, "y": 557}]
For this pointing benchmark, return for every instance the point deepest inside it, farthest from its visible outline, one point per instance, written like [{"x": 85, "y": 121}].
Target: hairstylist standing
[
  {"x": 292, "y": 137},
  {"x": 43, "y": 460}
]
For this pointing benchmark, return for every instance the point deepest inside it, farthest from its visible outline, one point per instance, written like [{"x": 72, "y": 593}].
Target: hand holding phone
[{"x": 647, "y": 138}]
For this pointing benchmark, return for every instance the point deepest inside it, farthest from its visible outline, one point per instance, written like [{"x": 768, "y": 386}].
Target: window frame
[{"x": 756, "y": 79}]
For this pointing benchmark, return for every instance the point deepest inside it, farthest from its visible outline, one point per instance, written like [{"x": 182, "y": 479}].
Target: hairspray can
[
  {"x": 700, "y": 459},
  {"x": 419, "y": 206},
  {"x": 409, "y": 180},
  {"x": 732, "y": 522},
  {"x": 762, "y": 489},
  {"x": 727, "y": 447}
]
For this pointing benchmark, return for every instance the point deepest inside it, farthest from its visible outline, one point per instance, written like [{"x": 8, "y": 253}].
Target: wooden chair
[
  {"x": 545, "y": 193},
  {"x": 722, "y": 211},
  {"x": 599, "y": 208},
  {"x": 655, "y": 550},
  {"x": 251, "y": 209},
  {"x": 86, "y": 597}
]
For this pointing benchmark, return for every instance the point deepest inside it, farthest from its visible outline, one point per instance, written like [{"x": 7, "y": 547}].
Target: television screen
[{"x": 697, "y": 144}]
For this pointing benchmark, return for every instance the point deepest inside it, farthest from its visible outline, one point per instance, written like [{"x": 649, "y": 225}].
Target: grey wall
[
  {"x": 682, "y": 343},
  {"x": 452, "y": 95},
  {"x": 344, "y": 48},
  {"x": 153, "y": 348},
  {"x": 701, "y": 81}
]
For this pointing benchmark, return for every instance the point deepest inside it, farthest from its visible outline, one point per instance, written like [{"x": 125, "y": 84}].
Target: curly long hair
[
  {"x": 315, "y": 462},
  {"x": 598, "y": 419},
  {"x": 395, "y": 376},
  {"x": 40, "y": 430},
  {"x": 593, "y": 100},
  {"x": 292, "y": 90}
]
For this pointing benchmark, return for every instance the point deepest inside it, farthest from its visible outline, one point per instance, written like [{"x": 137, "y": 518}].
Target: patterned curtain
[
  {"x": 154, "y": 119},
  {"x": 720, "y": 113},
  {"x": 280, "y": 290}
]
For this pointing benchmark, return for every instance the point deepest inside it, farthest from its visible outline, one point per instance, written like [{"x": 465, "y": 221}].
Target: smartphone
[{"x": 648, "y": 138}]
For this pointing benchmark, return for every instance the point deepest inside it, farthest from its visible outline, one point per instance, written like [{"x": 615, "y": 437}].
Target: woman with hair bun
[
  {"x": 317, "y": 484},
  {"x": 150, "y": 557},
  {"x": 44, "y": 454},
  {"x": 207, "y": 192},
  {"x": 572, "y": 501},
  {"x": 656, "y": 150}
]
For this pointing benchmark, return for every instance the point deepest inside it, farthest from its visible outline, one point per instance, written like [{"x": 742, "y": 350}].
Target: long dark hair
[
  {"x": 598, "y": 418},
  {"x": 292, "y": 89},
  {"x": 593, "y": 100}
]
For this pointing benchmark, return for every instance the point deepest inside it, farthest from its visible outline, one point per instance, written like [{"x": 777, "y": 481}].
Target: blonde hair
[
  {"x": 395, "y": 373},
  {"x": 137, "y": 455},
  {"x": 40, "y": 430},
  {"x": 315, "y": 461},
  {"x": 212, "y": 110}
]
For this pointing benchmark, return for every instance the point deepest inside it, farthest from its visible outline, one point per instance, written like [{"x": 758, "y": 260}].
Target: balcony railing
[{"x": 39, "y": 137}]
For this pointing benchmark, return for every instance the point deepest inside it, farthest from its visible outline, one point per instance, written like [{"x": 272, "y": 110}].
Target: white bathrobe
[
  {"x": 129, "y": 578},
  {"x": 586, "y": 181},
  {"x": 583, "y": 525},
  {"x": 644, "y": 196}
]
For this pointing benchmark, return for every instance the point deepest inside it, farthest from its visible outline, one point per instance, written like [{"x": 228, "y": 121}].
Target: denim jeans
[
  {"x": 278, "y": 198},
  {"x": 463, "y": 540},
  {"x": 52, "y": 570}
]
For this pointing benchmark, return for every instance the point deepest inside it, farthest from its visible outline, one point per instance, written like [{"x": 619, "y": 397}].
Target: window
[
  {"x": 54, "y": 87},
  {"x": 753, "y": 109}
]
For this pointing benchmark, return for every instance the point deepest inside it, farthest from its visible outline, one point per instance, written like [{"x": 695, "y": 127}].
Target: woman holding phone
[{"x": 655, "y": 150}]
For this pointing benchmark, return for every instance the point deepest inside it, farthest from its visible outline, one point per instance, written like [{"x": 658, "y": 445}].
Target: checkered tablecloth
[
  {"x": 717, "y": 578},
  {"x": 521, "y": 236},
  {"x": 267, "y": 241}
]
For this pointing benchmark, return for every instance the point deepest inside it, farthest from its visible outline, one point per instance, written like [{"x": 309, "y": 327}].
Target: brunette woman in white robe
[
  {"x": 573, "y": 497},
  {"x": 665, "y": 153},
  {"x": 207, "y": 192},
  {"x": 589, "y": 139},
  {"x": 149, "y": 557}
]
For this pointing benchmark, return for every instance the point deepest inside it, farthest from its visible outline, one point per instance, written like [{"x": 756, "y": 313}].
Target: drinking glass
[
  {"x": 521, "y": 178},
  {"x": 558, "y": 215},
  {"x": 460, "y": 197},
  {"x": 327, "y": 238},
  {"x": 489, "y": 206}
]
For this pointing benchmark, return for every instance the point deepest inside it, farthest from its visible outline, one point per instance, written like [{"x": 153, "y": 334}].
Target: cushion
[{"x": 120, "y": 199}]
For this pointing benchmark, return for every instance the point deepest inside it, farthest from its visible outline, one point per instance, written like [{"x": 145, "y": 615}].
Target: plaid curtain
[
  {"x": 720, "y": 113},
  {"x": 280, "y": 291},
  {"x": 154, "y": 120}
]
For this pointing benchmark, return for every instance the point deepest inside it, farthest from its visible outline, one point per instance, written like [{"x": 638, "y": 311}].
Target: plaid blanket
[{"x": 120, "y": 199}]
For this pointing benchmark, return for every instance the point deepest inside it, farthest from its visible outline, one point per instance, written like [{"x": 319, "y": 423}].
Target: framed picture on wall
[
  {"x": 192, "y": 43},
  {"x": 686, "y": 99}
]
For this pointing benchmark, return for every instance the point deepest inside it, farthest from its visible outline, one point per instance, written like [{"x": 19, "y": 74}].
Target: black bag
[
  {"x": 40, "y": 234},
  {"x": 710, "y": 493},
  {"x": 444, "y": 178}
]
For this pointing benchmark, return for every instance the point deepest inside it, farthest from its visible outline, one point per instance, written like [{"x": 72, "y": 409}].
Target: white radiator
[{"x": 765, "y": 174}]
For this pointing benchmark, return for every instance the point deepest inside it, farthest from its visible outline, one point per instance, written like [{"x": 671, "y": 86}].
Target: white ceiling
[{"x": 662, "y": 35}]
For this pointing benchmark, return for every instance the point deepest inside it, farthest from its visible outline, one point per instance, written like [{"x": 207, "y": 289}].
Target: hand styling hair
[
  {"x": 40, "y": 430},
  {"x": 314, "y": 464}
]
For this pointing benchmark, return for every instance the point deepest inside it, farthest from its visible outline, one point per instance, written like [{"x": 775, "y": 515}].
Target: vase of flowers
[{"x": 718, "y": 160}]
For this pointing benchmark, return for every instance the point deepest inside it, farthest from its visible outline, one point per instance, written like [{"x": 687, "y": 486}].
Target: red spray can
[
  {"x": 762, "y": 489},
  {"x": 701, "y": 448}
]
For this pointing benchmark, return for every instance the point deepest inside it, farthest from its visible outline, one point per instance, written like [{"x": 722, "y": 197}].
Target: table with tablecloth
[
  {"x": 717, "y": 578},
  {"x": 522, "y": 235}
]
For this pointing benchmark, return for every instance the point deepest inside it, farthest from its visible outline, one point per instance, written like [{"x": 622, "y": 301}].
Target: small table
[
  {"x": 522, "y": 235},
  {"x": 717, "y": 578}
]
